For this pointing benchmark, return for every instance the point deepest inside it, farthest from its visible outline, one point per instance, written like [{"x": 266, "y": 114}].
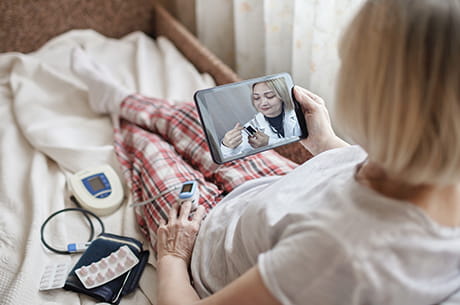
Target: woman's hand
[
  {"x": 321, "y": 136},
  {"x": 259, "y": 139},
  {"x": 233, "y": 137},
  {"x": 177, "y": 237}
]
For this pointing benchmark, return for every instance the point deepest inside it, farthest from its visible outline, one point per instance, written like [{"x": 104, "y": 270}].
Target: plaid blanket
[{"x": 161, "y": 145}]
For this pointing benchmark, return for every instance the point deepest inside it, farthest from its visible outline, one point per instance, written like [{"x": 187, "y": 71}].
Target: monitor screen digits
[
  {"x": 96, "y": 183},
  {"x": 249, "y": 117},
  {"x": 186, "y": 188}
]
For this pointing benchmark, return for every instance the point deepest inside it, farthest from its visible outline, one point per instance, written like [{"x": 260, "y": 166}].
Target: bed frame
[{"x": 27, "y": 25}]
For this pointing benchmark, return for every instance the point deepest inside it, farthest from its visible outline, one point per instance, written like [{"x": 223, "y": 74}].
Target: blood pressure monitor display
[
  {"x": 96, "y": 184},
  {"x": 97, "y": 189}
]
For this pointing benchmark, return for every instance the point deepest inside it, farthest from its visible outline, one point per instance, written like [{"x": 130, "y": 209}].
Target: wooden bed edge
[{"x": 203, "y": 59}]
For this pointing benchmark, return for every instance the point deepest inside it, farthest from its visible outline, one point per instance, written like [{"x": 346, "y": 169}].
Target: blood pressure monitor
[
  {"x": 97, "y": 189},
  {"x": 189, "y": 192}
]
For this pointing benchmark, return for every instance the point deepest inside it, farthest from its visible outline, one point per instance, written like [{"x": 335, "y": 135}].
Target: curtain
[{"x": 262, "y": 37}]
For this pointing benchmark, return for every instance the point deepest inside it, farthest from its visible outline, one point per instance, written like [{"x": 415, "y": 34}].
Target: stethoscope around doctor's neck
[{"x": 279, "y": 133}]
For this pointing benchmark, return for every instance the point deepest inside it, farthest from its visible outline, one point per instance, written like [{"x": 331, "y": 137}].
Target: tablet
[{"x": 250, "y": 116}]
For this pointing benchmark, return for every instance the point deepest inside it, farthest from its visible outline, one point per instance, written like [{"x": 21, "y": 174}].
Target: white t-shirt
[{"x": 319, "y": 237}]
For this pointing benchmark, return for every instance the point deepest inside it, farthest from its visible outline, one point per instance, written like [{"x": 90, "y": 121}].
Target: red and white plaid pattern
[{"x": 160, "y": 146}]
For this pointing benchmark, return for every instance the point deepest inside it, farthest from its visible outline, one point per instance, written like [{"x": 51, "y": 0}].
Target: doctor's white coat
[{"x": 291, "y": 129}]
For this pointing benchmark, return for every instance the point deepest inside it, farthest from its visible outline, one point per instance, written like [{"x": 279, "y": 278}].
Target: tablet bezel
[{"x": 214, "y": 148}]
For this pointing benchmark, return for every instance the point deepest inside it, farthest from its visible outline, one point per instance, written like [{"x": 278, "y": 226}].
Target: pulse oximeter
[{"x": 189, "y": 192}]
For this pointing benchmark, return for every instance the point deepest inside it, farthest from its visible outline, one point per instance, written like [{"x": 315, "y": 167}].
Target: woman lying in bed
[{"x": 369, "y": 224}]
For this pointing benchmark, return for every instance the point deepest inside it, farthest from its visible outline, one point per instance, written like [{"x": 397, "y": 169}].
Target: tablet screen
[{"x": 251, "y": 116}]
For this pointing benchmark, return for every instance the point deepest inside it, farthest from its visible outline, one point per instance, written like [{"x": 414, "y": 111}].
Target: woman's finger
[
  {"x": 231, "y": 136},
  {"x": 254, "y": 142},
  {"x": 236, "y": 139},
  {"x": 316, "y": 98},
  {"x": 232, "y": 140},
  {"x": 305, "y": 100},
  {"x": 237, "y": 128},
  {"x": 172, "y": 215},
  {"x": 185, "y": 211},
  {"x": 237, "y": 142},
  {"x": 260, "y": 134},
  {"x": 234, "y": 134},
  {"x": 199, "y": 214},
  {"x": 162, "y": 234}
]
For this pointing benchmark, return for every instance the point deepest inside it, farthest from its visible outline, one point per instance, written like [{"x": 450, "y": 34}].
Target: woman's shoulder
[
  {"x": 339, "y": 228},
  {"x": 337, "y": 158}
]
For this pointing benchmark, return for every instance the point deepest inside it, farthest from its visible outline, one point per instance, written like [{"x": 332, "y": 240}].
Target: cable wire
[{"x": 87, "y": 215}]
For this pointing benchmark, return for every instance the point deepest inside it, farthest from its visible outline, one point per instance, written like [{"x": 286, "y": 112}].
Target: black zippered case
[{"x": 113, "y": 291}]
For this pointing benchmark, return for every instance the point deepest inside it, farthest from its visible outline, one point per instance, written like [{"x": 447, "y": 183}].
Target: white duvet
[{"x": 48, "y": 131}]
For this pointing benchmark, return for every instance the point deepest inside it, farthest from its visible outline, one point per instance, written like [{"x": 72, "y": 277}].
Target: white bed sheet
[{"x": 47, "y": 130}]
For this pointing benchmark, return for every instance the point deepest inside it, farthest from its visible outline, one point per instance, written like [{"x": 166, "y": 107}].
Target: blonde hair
[
  {"x": 398, "y": 92},
  {"x": 278, "y": 86}
]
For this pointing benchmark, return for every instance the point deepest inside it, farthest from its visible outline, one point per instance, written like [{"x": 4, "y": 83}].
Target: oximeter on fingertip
[
  {"x": 189, "y": 192},
  {"x": 97, "y": 189}
]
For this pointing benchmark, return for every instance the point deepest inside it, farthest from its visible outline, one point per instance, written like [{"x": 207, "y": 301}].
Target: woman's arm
[
  {"x": 175, "y": 244},
  {"x": 174, "y": 247},
  {"x": 174, "y": 287},
  {"x": 321, "y": 136},
  {"x": 248, "y": 289}
]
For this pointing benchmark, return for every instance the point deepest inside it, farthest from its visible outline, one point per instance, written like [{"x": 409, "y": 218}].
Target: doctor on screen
[{"x": 274, "y": 122}]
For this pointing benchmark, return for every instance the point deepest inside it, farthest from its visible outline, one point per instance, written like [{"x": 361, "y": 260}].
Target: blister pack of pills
[
  {"x": 108, "y": 268},
  {"x": 54, "y": 276}
]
